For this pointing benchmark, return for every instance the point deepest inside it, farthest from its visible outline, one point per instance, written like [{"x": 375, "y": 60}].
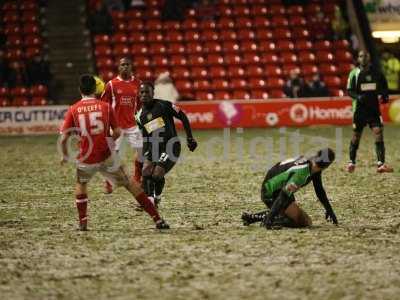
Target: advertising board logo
[
  {"x": 271, "y": 119},
  {"x": 299, "y": 113}
]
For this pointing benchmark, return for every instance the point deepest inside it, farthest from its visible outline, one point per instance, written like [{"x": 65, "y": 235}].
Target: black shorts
[
  {"x": 269, "y": 201},
  {"x": 362, "y": 118},
  {"x": 166, "y": 157}
]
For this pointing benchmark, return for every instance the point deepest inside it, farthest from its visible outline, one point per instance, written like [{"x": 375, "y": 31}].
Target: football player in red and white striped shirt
[
  {"x": 92, "y": 120},
  {"x": 121, "y": 93}
]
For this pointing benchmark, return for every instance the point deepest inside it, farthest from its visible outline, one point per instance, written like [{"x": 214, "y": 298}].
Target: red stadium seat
[
  {"x": 141, "y": 61},
  {"x": 239, "y": 83},
  {"x": 119, "y": 38},
  {"x": 226, "y": 23},
  {"x": 243, "y": 23},
  {"x": 14, "y": 41},
  {"x": 180, "y": 72},
  {"x": 241, "y": 95},
  {"x": 231, "y": 47},
  {"x": 171, "y": 25},
  {"x": 202, "y": 95},
  {"x": 153, "y": 13},
  {"x": 257, "y": 83},
  {"x": 276, "y": 93},
  {"x": 312, "y": 9},
  {"x": 210, "y": 35},
  {"x": 20, "y": 101},
  {"x": 264, "y": 34},
  {"x": 250, "y": 58},
  {"x": 196, "y": 60},
  {"x": 259, "y": 10},
  {"x": 306, "y": 57},
  {"x": 323, "y": 45},
  {"x": 105, "y": 62},
  {"x": 102, "y": 50},
  {"x": 337, "y": 92},
  {"x": 233, "y": 59},
  {"x": 176, "y": 48},
  {"x": 139, "y": 49},
  {"x": 100, "y": 39},
  {"x": 248, "y": 46},
  {"x": 157, "y": 49},
  {"x": 207, "y": 24},
  {"x": 275, "y": 83},
  {"x": 214, "y": 59},
  {"x": 192, "y": 36},
  {"x": 254, "y": 71},
  {"x": 11, "y": 17},
  {"x": 160, "y": 70},
  {"x": 39, "y": 90},
  {"x": 295, "y": 10},
  {"x": 212, "y": 47},
  {"x": 228, "y": 35},
  {"x": 178, "y": 60},
  {"x": 297, "y": 21},
  {"x": 261, "y": 22},
  {"x": 28, "y": 5},
  {"x": 153, "y": 24},
  {"x": 121, "y": 50},
  {"x": 144, "y": 73},
  {"x": 14, "y": 54},
  {"x": 160, "y": 61},
  {"x": 4, "y": 102},
  {"x": 202, "y": 85},
  {"x": 267, "y": 46},
  {"x": 343, "y": 56},
  {"x": 285, "y": 45},
  {"x": 328, "y": 69},
  {"x": 222, "y": 95},
  {"x": 117, "y": 15},
  {"x": 137, "y": 37},
  {"x": 300, "y": 45},
  {"x": 184, "y": 86},
  {"x": 341, "y": 44},
  {"x": 282, "y": 33},
  {"x": 225, "y": 11},
  {"x": 39, "y": 101},
  {"x": 345, "y": 68},
  {"x": 324, "y": 56},
  {"x": 220, "y": 84},
  {"x": 269, "y": 58},
  {"x": 241, "y": 11},
  {"x": 135, "y": 25},
  {"x": 273, "y": 71},
  {"x": 199, "y": 72},
  {"x": 194, "y": 48},
  {"x": 30, "y": 28},
  {"x": 300, "y": 33},
  {"x": 12, "y": 29},
  {"x": 155, "y": 37},
  {"x": 246, "y": 34},
  {"x": 277, "y": 9},
  {"x": 4, "y": 92},
  {"x": 107, "y": 75},
  {"x": 173, "y": 36},
  {"x": 217, "y": 72},
  {"x": 10, "y": 6},
  {"x": 309, "y": 69},
  {"x": 279, "y": 21},
  {"x": 259, "y": 94},
  {"x": 32, "y": 51},
  {"x": 134, "y": 14},
  {"x": 236, "y": 72},
  {"x": 332, "y": 81},
  {"x": 190, "y": 24}
]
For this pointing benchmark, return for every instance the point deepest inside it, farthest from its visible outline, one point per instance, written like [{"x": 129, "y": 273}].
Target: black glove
[
  {"x": 330, "y": 216},
  {"x": 192, "y": 144}
]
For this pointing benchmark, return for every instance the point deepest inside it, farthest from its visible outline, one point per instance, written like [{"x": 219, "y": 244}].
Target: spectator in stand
[
  {"x": 316, "y": 87},
  {"x": 100, "y": 21},
  {"x": 173, "y": 10},
  {"x": 391, "y": 70},
  {"x": 165, "y": 89},
  {"x": 3, "y": 72},
  {"x": 295, "y": 87},
  {"x": 17, "y": 75},
  {"x": 38, "y": 71}
]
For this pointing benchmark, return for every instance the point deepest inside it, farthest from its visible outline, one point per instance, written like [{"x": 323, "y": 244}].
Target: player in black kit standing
[{"x": 161, "y": 145}]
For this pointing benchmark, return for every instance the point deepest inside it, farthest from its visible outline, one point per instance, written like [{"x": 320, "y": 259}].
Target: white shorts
[
  {"x": 134, "y": 137},
  {"x": 111, "y": 169}
]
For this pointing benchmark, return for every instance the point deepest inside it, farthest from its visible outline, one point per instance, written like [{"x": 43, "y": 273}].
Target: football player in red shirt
[
  {"x": 92, "y": 120},
  {"x": 121, "y": 93}
]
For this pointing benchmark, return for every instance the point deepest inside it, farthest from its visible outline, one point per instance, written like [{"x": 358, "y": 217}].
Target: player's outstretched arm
[
  {"x": 191, "y": 142},
  {"x": 322, "y": 197}
]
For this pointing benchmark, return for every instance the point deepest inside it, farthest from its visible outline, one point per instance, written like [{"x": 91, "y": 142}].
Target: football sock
[
  {"x": 256, "y": 217},
  {"x": 159, "y": 186},
  {"x": 138, "y": 171},
  {"x": 380, "y": 152},
  {"x": 148, "y": 206},
  {"x": 353, "y": 151},
  {"x": 81, "y": 204}
]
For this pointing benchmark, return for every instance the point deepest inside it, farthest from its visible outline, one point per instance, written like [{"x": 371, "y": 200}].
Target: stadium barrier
[{"x": 204, "y": 115}]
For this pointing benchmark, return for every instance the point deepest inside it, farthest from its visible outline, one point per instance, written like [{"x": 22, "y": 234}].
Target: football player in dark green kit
[
  {"x": 364, "y": 86},
  {"x": 282, "y": 181}
]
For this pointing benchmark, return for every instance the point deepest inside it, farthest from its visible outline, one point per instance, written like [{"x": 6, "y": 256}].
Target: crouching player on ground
[
  {"x": 279, "y": 186},
  {"x": 92, "y": 120},
  {"x": 161, "y": 145}
]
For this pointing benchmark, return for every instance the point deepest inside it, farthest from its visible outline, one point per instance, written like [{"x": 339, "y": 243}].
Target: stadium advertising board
[
  {"x": 31, "y": 119},
  {"x": 203, "y": 115},
  {"x": 272, "y": 113}
]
